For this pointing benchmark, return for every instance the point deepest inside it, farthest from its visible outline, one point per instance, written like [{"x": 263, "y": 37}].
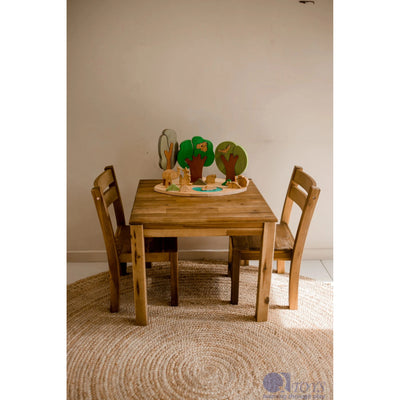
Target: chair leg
[
  {"x": 230, "y": 257},
  {"x": 122, "y": 269},
  {"x": 174, "y": 279},
  {"x": 294, "y": 277},
  {"x": 235, "y": 277},
  {"x": 280, "y": 266},
  {"x": 114, "y": 287}
]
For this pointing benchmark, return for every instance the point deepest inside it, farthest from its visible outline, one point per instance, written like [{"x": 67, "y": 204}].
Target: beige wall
[{"x": 257, "y": 72}]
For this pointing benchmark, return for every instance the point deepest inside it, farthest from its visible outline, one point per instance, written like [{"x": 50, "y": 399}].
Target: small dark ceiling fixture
[{"x": 306, "y": 1}]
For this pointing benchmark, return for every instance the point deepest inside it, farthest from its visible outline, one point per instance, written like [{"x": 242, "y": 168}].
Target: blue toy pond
[{"x": 198, "y": 189}]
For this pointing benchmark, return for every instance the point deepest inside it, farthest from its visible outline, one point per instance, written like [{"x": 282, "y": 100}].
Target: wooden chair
[
  {"x": 105, "y": 192},
  {"x": 287, "y": 247}
]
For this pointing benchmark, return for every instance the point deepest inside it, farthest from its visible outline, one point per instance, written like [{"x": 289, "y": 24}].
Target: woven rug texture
[{"x": 205, "y": 348}]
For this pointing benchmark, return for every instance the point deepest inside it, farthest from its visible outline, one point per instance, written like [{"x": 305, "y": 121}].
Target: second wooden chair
[{"x": 287, "y": 247}]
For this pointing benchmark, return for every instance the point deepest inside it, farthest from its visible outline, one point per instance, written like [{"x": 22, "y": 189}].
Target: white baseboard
[{"x": 101, "y": 256}]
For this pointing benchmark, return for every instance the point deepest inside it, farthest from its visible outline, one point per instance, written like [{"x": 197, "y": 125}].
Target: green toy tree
[
  {"x": 196, "y": 154},
  {"x": 231, "y": 159}
]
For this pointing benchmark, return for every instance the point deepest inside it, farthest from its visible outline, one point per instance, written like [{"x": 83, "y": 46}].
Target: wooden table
[{"x": 161, "y": 215}]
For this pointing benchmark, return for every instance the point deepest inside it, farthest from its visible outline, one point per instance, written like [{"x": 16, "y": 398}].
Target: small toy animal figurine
[
  {"x": 185, "y": 179},
  {"x": 233, "y": 185},
  {"x": 169, "y": 175},
  {"x": 210, "y": 179},
  {"x": 242, "y": 181},
  {"x": 209, "y": 187}
]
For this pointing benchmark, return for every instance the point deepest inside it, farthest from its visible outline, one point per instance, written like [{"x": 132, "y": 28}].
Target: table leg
[
  {"x": 265, "y": 271},
  {"x": 139, "y": 274}
]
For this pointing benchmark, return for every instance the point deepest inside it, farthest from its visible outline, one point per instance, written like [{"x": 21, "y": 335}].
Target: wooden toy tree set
[{"x": 192, "y": 156}]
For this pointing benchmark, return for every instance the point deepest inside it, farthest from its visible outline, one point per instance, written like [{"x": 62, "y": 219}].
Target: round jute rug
[{"x": 204, "y": 349}]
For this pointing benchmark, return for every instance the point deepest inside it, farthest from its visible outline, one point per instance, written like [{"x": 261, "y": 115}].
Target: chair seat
[
  {"x": 152, "y": 245},
  {"x": 250, "y": 245}
]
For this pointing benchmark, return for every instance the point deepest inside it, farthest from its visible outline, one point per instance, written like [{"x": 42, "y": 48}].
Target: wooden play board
[{"x": 196, "y": 190}]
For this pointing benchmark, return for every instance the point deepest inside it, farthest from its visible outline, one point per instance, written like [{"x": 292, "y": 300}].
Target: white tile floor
[{"x": 321, "y": 270}]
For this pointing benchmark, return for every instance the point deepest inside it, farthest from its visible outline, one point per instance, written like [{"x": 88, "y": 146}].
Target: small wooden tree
[
  {"x": 167, "y": 149},
  {"x": 231, "y": 159},
  {"x": 196, "y": 154}
]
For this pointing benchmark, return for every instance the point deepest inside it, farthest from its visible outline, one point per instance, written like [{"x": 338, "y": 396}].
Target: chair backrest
[
  {"x": 304, "y": 192},
  {"x": 105, "y": 192}
]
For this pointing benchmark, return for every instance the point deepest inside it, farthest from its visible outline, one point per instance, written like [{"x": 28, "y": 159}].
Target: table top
[{"x": 157, "y": 211}]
